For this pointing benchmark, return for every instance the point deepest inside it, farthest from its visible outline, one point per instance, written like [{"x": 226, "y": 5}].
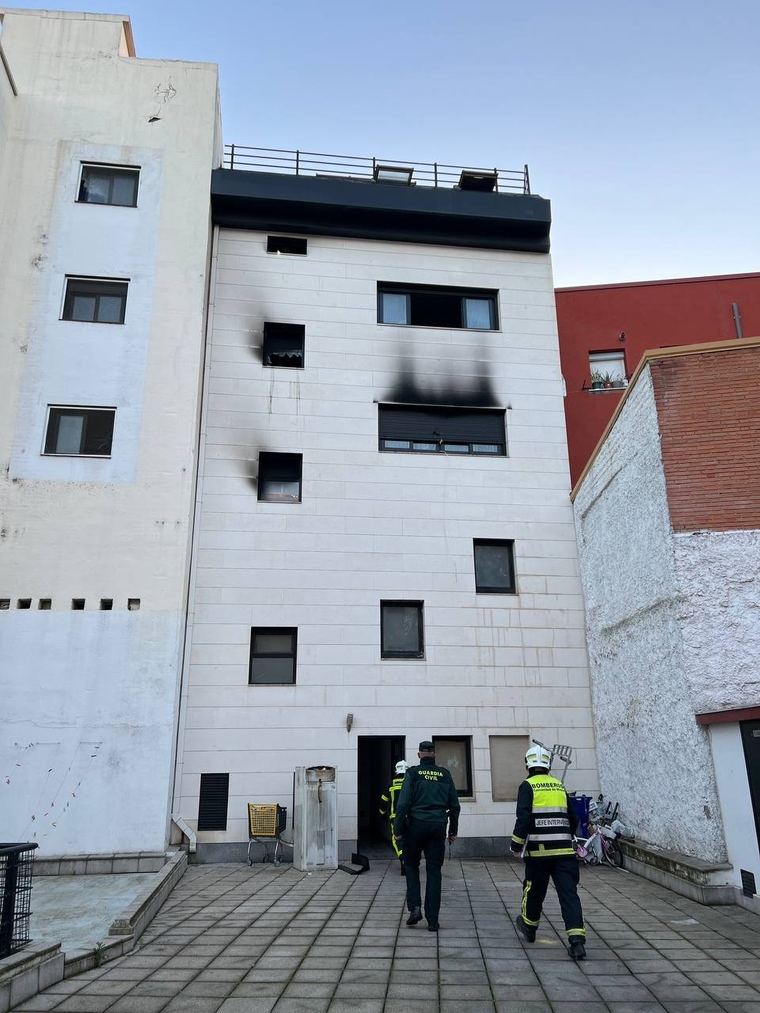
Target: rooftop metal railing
[{"x": 362, "y": 168}]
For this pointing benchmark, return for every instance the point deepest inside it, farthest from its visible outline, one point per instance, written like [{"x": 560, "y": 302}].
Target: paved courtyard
[{"x": 239, "y": 940}]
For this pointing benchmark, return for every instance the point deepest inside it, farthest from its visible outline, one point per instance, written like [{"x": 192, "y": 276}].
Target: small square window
[
  {"x": 455, "y": 754},
  {"x": 279, "y": 478},
  {"x": 5, "y": 604},
  {"x": 108, "y": 184},
  {"x": 95, "y": 300},
  {"x": 401, "y": 629},
  {"x": 80, "y": 432},
  {"x": 24, "y": 603},
  {"x": 45, "y": 604},
  {"x": 133, "y": 604},
  {"x": 273, "y": 656},
  {"x": 494, "y": 566},
  {"x": 77, "y": 604},
  {"x": 286, "y": 244},
  {"x": 106, "y": 604},
  {"x": 284, "y": 345}
]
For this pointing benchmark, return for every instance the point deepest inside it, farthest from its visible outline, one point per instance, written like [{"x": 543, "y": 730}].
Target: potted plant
[
  {"x": 607, "y": 381},
  {"x": 597, "y": 380}
]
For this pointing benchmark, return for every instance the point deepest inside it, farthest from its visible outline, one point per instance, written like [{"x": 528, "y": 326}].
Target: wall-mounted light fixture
[
  {"x": 349, "y": 722},
  {"x": 393, "y": 174}
]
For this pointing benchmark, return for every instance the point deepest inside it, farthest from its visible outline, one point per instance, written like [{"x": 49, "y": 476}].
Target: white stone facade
[
  {"x": 374, "y": 526},
  {"x": 90, "y": 697},
  {"x": 672, "y": 632}
]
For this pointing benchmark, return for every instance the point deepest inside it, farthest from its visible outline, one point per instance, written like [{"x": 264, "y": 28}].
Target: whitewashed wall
[
  {"x": 718, "y": 573},
  {"x": 653, "y": 757},
  {"x": 377, "y": 526},
  {"x": 89, "y": 700}
]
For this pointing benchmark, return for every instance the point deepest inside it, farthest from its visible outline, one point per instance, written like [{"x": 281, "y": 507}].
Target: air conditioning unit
[{"x": 315, "y": 823}]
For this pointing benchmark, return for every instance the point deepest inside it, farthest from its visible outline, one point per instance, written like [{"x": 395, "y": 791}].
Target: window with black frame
[
  {"x": 422, "y": 429},
  {"x": 273, "y": 655},
  {"x": 95, "y": 300},
  {"x": 437, "y": 306},
  {"x": 79, "y": 432},
  {"x": 279, "y": 478},
  {"x": 494, "y": 566},
  {"x": 108, "y": 184},
  {"x": 401, "y": 629}
]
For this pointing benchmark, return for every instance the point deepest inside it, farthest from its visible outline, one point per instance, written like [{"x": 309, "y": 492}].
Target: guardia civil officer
[
  {"x": 427, "y": 802},
  {"x": 388, "y": 807},
  {"x": 543, "y": 835}
]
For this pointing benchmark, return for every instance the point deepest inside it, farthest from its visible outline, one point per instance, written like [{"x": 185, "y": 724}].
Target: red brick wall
[{"x": 709, "y": 416}]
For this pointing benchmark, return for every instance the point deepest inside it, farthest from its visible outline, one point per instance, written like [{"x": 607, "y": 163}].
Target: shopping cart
[{"x": 266, "y": 823}]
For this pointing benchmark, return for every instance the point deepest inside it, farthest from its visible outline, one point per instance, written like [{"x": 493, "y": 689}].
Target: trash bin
[
  {"x": 580, "y": 805},
  {"x": 15, "y": 895}
]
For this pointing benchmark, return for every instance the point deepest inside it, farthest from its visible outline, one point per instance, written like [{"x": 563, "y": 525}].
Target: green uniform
[
  {"x": 388, "y": 808},
  {"x": 428, "y": 801}
]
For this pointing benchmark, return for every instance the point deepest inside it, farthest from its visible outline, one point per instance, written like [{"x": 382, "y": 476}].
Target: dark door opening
[
  {"x": 751, "y": 739},
  {"x": 377, "y": 755}
]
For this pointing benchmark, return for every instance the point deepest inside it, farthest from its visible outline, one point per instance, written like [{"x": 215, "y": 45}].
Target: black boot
[
  {"x": 433, "y": 926},
  {"x": 525, "y": 930},
  {"x": 401, "y": 863},
  {"x": 415, "y": 915},
  {"x": 577, "y": 948}
]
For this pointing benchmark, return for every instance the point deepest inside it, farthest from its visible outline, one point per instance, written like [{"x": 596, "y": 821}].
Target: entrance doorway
[
  {"x": 377, "y": 755},
  {"x": 751, "y": 740}
]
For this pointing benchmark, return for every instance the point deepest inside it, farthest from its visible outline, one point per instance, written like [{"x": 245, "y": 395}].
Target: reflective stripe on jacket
[
  {"x": 545, "y": 822},
  {"x": 388, "y": 800}
]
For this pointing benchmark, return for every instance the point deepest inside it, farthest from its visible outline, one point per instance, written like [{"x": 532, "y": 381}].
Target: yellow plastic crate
[{"x": 262, "y": 819}]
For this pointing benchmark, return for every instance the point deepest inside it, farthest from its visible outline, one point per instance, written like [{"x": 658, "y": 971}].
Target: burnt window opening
[
  {"x": 279, "y": 479},
  {"x": 133, "y": 604},
  {"x": 95, "y": 300},
  {"x": 5, "y": 604},
  {"x": 80, "y": 432},
  {"x": 401, "y": 629},
  {"x": 24, "y": 603},
  {"x": 273, "y": 656},
  {"x": 417, "y": 429},
  {"x": 284, "y": 345},
  {"x": 77, "y": 604},
  {"x": 106, "y": 604},
  {"x": 45, "y": 604},
  {"x": 494, "y": 566},
  {"x": 286, "y": 244},
  {"x": 213, "y": 799},
  {"x": 435, "y": 306},
  {"x": 108, "y": 184}
]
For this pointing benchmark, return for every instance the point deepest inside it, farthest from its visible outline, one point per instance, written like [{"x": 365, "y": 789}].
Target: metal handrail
[{"x": 362, "y": 167}]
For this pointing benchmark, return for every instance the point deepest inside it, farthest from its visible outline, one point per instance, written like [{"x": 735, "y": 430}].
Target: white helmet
[
  {"x": 538, "y": 756},
  {"x": 401, "y": 767}
]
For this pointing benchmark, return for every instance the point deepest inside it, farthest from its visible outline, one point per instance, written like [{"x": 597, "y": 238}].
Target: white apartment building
[
  {"x": 105, "y": 166},
  {"x": 384, "y": 548}
]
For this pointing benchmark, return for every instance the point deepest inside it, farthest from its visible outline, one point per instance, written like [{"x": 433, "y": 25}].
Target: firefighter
[
  {"x": 388, "y": 807},
  {"x": 543, "y": 835},
  {"x": 428, "y": 801}
]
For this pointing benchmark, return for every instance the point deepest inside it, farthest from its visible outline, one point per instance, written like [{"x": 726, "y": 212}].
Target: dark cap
[{"x": 427, "y": 747}]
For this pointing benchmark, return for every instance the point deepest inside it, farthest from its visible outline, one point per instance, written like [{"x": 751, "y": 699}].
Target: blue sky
[{"x": 638, "y": 119}]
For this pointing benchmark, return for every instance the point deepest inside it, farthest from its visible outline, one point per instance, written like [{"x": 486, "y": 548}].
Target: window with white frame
[{"x": 607, "y": 369}]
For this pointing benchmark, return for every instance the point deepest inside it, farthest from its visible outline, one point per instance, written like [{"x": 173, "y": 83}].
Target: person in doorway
[
  {"x": 427, "y": 802},
  {"x": 543, "y": 836},
  {"x": 388, "y": 807}
]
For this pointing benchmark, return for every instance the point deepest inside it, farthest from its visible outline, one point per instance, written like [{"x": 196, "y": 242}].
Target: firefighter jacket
[
  {"x": 389, "y": 799},
  {"x": 428, "y": 795},
  {"x": 545, "y": 822}
]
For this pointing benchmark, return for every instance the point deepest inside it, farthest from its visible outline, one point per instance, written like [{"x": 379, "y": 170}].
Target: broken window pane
[
  {"x": 436, "y": 306},
  {"x": 284, "y": 345},
  {"x": 279, "y": 479}
]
